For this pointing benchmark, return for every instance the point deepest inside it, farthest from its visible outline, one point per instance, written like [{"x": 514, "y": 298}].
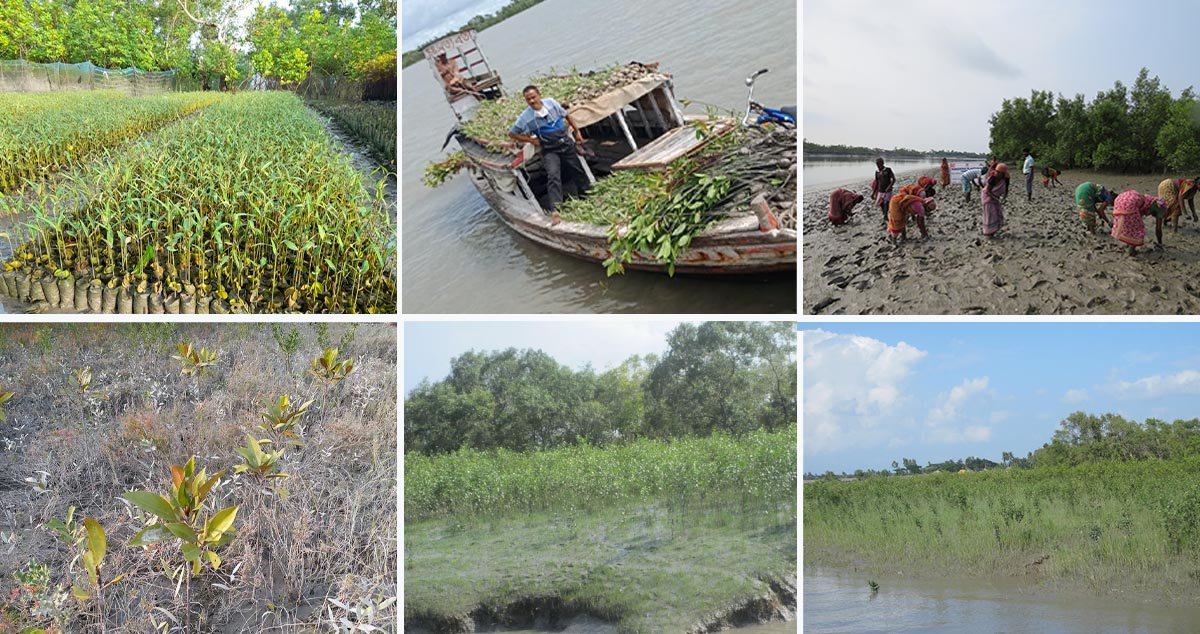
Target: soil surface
[{"x": 1042, "y": 262}]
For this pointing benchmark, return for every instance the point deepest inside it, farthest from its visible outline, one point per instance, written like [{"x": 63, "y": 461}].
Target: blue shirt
[{"x": 529, "y": 122}]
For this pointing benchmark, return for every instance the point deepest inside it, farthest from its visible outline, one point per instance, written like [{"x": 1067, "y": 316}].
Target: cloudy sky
[
  {"x": 874, "y": 393},
  {"x": 927, "y": 74},
  {"x": 423, "y": 20},
  {"x": 429, "y": 346}
]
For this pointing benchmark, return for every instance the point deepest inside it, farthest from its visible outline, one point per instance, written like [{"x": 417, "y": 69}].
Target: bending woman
[
  {"x": 841, "y": 202},
  {"x": 995, "y": 191},
  {"x": 1128, "y": 225},
  {"x": 1092, "y": 199},
  {"x": 900, "y": 207}
]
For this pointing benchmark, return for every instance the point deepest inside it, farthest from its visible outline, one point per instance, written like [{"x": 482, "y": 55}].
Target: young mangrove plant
[
  {"x": 4, "y": 398},
  {"x": 83, "y": 377},
  {"x": 194, "y": 361},
  {"x": 283, "y": 418},
  {"x": 328, "y": 367},
  {"x": 258, "y": 463},
  {"x": 92, "y": 558},
  {"x": 245, "y": 207},
  {"x": 182, "y": 517}
]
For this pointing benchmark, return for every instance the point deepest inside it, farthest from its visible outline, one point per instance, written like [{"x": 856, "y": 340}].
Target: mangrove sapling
[
  {"x": 92, "y": 557},
  {"x": 261, "y": 464},
  {"x": 182, "y": 517},
  {"x": 283, "y": 418},
  {"x": 194, "y": 361},
  {"x": 4, "y": 398},
  {"x": 83, "y": 377},
  {"x": 288, "y": 342}
]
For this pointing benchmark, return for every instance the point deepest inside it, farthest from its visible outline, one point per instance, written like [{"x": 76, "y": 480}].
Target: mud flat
[
  {"x": 633, "y": 569},
  {"x": 1042, "y": 262}
]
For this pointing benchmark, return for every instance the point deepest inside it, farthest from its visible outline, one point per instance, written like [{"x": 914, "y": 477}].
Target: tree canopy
[
  {"x": 203, "y": 38},
  {"x": 718, "y": 376},
  {"x": 1137, "y": 129}
]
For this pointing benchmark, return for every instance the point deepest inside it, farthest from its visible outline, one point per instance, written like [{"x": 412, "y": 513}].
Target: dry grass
[{"x": 324, "y": 536}]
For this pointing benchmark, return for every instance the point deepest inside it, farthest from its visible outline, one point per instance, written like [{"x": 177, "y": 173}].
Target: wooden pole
[
  {"x": 657, "y": 111},
  {"x": 625, "y": 128},
  {"x": 674, "y": 105},
  {"x": 586, "y": 169},
  {"x": 637, "y": 105}
]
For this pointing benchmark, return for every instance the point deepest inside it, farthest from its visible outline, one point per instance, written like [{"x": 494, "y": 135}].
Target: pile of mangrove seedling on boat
[
  {"x": 490, "y": 122},
  {"x": 660, "y": 212}
]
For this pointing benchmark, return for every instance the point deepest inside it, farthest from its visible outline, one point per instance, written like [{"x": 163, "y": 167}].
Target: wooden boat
[{"x": 638, "y": 125}]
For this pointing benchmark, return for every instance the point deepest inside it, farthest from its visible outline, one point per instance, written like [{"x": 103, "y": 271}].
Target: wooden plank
[
  {"x": 677, "y": 143},
  {"x": 620, "y": 117}
]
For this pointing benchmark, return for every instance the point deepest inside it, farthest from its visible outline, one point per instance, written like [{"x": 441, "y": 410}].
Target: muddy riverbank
[{"x": 1042, "y": 261}]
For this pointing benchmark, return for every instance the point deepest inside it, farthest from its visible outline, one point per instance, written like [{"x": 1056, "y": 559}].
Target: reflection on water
[
  {"x": 821, "y": 173},
  {"x": 458, "y": 256},
  {"x": 841, "y": 603}
]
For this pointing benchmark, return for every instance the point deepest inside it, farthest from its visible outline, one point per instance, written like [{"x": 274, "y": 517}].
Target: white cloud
[
  {"x": 1184, "y": 382},
  {"x": 977, "y": 433},
  {"x": 1075, "y": 396},
  {"x": 851, "y": 383},
  {"x": 950, "y": 403}
]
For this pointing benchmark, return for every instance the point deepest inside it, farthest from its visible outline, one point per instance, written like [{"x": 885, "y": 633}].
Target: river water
[
  {"x": 591, "y": 626},
  {"x": 459, "y": 257},
  {"x": 840, "y": 603}
]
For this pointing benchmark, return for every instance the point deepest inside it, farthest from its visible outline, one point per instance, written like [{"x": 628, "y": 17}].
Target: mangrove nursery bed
[
  {"x": 683, "y": 536},
  {"x": 245, "y": 207},
  {"x": 100, "y": 423},
  {"x": 1128, "y": 526}
]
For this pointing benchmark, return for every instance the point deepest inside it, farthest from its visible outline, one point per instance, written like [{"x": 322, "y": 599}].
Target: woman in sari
[
  {"x": 1168, "y": 190},
  {"x": 900, "y": 207},
  {"x": 1092, "y": 199},
  {"x": 945, "y": 174},
  {"x": 995, "y": 191},
  {"x": 1187, "y": 191},
  {"x": 841, "y": 202},
  {"x": 1128, "y": 225},
  {"x": 923, "y": 187}
]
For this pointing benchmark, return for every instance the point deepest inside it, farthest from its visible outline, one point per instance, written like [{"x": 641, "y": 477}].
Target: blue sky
[
  {"x": 874, "y": 393},
  {"x": 423, "y": 20},
  {"x": 934, "y": 84},
  {"x": 429, "y": 346}
]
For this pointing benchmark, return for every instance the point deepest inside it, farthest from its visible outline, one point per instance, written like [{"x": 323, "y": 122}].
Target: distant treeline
[
  {"x": 733, "y": 377},
  {"x": 1143, "y": 129},
  {"x": 479, "y": 23},
  {"x": 1081, "y": 438},
  {"x": 859, "y": 150}
]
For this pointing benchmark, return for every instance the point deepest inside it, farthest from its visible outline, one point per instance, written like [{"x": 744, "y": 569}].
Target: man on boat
[
  {"x": 545, "y": 123},
  {"x": 454, "y": 81}
]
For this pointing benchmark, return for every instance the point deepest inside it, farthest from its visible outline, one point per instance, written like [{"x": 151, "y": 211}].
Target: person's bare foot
[{"x": 555, "y": 218}]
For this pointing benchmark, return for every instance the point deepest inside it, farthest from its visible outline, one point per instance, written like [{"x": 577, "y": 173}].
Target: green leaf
[
  {"x": 97, "y": 542},
  {"x": 182, "y": 531},
  {"x": 152, "y": 503},
  {"x": 191, "y": 552},
  {"x": 219, "y": 523},
  {"x": 152, "y": 534},
  {"x": 213, "y": 559}
]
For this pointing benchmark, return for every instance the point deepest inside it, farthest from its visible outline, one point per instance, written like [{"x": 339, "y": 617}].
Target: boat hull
[{"x": 733, "y": 247}]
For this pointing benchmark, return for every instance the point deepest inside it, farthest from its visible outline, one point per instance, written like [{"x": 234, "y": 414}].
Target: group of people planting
[{"x": 913, "y": 201}]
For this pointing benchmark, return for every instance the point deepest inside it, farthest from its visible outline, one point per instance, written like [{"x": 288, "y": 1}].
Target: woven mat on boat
[{"x": 588, "y": 112}]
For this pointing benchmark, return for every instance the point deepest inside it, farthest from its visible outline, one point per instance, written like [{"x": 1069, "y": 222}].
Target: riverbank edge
[
  {"x": 856, "y": 563},
  {"x": 777, "y": 603},
  {"x": 902, "y": 178}
]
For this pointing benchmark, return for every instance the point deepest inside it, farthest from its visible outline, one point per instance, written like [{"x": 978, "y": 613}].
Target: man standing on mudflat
[
  {"x": 1027, "y": 170},
  {"x": 546, "y": 124}
]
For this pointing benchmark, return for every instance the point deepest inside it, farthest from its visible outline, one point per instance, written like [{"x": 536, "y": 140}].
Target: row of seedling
[
  {"x": 246, "y": 207},
  {"x": 47, "y": 132},
  {"x": 370, "y": 122}
]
